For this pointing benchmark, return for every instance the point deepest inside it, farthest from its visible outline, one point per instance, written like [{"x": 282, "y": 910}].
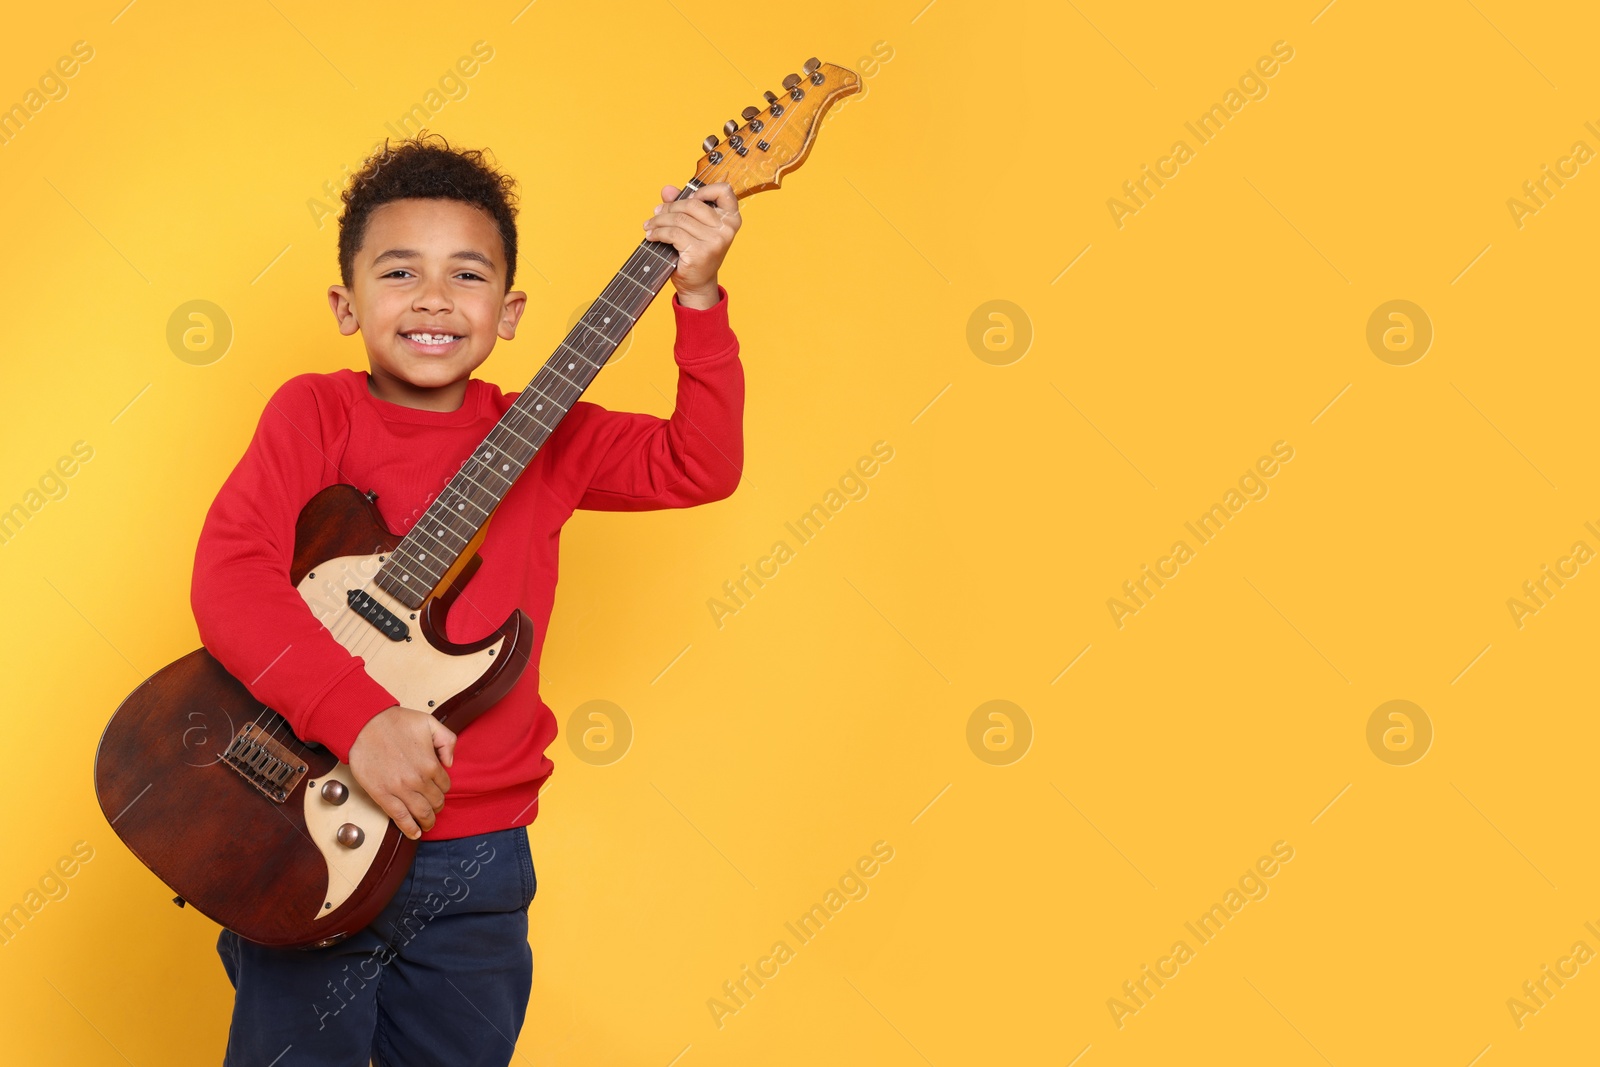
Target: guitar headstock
[{"x": 775, "y": 138}]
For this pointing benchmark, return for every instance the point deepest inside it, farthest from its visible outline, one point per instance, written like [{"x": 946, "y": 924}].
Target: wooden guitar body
[{"x": 262, "y": 832}]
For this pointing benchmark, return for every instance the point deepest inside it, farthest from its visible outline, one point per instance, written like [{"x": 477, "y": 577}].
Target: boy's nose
[{"x": 432, "y": 297}]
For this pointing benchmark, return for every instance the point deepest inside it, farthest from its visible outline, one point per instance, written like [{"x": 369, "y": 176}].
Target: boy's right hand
[{"x": 399, "y": 758}]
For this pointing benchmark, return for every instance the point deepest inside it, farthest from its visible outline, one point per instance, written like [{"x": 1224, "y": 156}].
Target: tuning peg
[
  {"x": 730, "y": 126},
  {"x": 750, "y": 113},
  {"x": 770, "y": 96},
  {"x": 791, "y": 81},
  {"x": 811, "y": 65},
  {"x": 709, "y": 143}
]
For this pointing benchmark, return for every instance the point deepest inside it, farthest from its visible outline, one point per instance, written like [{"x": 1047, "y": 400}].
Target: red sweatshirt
[{"x": 323, "y": 429}]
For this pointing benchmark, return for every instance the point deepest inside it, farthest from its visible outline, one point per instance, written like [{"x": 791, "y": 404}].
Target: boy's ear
[
  {"x": 516, "y": 303},
  {"x": 344, "y": 311}
]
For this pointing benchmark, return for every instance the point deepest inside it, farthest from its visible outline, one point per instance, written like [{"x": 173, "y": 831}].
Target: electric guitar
[{"x": 271, "y": 836}]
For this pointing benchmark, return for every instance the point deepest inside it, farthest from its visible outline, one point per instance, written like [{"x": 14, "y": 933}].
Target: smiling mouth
[{"x": 432, "y": 343}]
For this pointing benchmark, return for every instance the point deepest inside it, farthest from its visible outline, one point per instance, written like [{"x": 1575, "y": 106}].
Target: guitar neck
[{"x": 425, "y": 555}]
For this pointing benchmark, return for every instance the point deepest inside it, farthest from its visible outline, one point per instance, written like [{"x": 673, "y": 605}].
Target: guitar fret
[
  {"x": 653, "y": 254},
  {"x": 395, "y": 556},
  {"x": 492, "y": 461},
  {"x": 508, "y": 476},
  {"x": 506, "y": 427},
  {"x": 418, "y": 529},
  {"x": 468, "y": 500},
  {"x": 513, "y": 433},
  {"x": 549, "y": 369},
  {"x": 446, "y": 521},
  {"x": 493, "y": 452},
  {"x": 533, "y": 419},
  {"x": 581, "y": 354},
  {"x": 619, "y": 310},
  {"x": 558, "y": 374},
  {"x": 480, "y": 485}
]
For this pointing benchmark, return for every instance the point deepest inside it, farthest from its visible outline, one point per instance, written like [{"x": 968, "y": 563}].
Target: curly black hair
[{"x": 426, "y": 167}]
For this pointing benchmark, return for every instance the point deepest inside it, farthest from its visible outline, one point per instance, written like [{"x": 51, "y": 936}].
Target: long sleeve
[
  {"x": 250, "y": 617},
  {"x": 632, "y": 461}
]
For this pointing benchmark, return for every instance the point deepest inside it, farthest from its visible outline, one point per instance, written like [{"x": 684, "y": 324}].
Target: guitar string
[
  {"x": 352, "y": 621},
  {"x": 461, "y": 481},
  {"x": 350, "y": 624},
  {"x": 364, "y": 643}
]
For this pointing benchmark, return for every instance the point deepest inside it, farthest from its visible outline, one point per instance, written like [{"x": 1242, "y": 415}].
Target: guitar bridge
[{"x": 265, "y": 763}]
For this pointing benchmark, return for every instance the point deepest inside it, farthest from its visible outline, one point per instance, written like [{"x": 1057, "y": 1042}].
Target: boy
[{"x": 427, "y": 255}]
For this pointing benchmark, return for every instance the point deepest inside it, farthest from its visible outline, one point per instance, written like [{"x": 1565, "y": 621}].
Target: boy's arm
[
  {"x": 250, "y": 618},
  {"x": 631, "y": 461}
]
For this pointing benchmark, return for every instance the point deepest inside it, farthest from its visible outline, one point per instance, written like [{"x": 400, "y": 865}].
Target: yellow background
[{"x": 832, "y": 711}]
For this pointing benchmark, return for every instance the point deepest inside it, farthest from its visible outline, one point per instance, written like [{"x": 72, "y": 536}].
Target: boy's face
[{"x": 428, "y": 267}]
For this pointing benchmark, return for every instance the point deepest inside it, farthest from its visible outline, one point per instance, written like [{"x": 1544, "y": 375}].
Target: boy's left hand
[{"x": 700, "y": 227}]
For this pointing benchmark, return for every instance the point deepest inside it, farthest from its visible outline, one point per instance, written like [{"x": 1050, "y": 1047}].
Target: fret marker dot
[
  {"x": 405, "y": 577},
  {"x": 538, "y": 407},
  {"x": 488, "y": 455},
  {"x": 461, "y": 507},
  {"x": 505, "y": 466},
  {"x": 571, "y": 365},
  {"x": 441, "y": 533},
  {"x": 647, "y": 270},
  {"x": 607, "y": 321}
]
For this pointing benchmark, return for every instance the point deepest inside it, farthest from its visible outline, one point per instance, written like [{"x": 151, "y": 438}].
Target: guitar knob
[
  {"x": 709, "y": 143},
  {"x": 729, "y": 126},
  {"x": 791, "y": 81},
  {"x": 770, "y": 96},
  {"x": 811, "y": 65},
  {"x": 335, "y": 791},
  {"x": 750, "y": 113},
  {"x": 350, "y": 835}
]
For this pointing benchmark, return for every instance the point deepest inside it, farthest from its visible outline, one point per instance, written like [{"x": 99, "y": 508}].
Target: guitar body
[{"x": 267, "y": 835}]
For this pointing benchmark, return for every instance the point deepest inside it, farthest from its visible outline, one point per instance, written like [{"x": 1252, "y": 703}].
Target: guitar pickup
[{"x": 386, "y": 621}]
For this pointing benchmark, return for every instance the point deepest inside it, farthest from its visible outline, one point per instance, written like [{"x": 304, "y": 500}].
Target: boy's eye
[{"x": 467, "y": 273}]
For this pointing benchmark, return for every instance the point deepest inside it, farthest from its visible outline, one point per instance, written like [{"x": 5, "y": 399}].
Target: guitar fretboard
[{"x": 420, "y": 561}]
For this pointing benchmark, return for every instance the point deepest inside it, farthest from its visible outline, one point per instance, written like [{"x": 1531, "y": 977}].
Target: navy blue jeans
[{"x": 441, "y": 976}]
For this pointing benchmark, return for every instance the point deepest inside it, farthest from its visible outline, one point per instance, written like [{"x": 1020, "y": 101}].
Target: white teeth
[{"x": 433, "y": 338}]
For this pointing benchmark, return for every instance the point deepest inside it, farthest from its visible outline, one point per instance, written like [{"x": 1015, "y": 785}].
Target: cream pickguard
[{"x": 420, "y": 677}]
